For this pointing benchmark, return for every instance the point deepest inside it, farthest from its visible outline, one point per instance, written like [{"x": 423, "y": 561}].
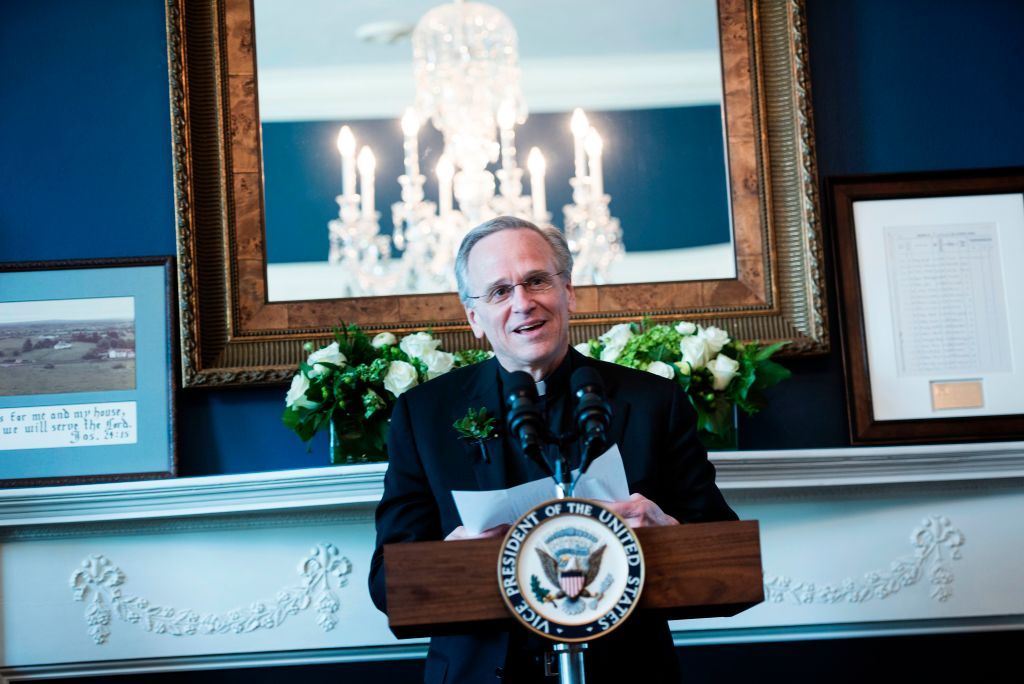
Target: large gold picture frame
[{"x": 231, "y": 334}]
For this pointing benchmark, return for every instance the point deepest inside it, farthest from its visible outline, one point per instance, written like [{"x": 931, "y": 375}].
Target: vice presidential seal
[{"x": 571, "y": 570}]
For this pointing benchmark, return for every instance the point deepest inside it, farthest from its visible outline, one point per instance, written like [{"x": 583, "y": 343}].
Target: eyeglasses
[{"x": 535, "y": 284}]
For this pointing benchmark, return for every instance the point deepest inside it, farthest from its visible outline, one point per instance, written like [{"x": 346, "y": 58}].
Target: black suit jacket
[{"x": 655, "y": 428}]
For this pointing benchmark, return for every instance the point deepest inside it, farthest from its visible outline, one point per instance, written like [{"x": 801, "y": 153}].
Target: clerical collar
[{"x": 551, "y": 386}]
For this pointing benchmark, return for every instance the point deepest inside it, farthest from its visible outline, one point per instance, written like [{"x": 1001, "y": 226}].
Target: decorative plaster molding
[
  {"x": 99, "y": 581},
  {"x": 935, "y": 543},
  {"x": 360, "y": 486}
]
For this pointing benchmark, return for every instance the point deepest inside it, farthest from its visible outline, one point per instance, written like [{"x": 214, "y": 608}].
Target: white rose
[
  {"x": 694, "y": 350},
  {"x": 617, "y": 335},
  {"x": 418, "y": 344},
  {"x": 296, "y": 397},
  {"x": 438, "y": 362},
  {"x": 614, "y": 340},
  {"x": 612, "y": 351},
  {"x": 724, "y": 369},
  {"x": 329, "y": 354},
  {"x": 716, "y": 338},
  {"x": 662, "y": 369},
  {"x": 383, "y": 339},
  {"x": 685, "y": 328},
  {"x": 401, "y": 377},
  {"x": 683, "y": 367},
  {"x": 583, "y": 348}
]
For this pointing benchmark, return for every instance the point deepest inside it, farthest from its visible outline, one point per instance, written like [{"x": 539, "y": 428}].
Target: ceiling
[
  {"x": 305, "y": 33},
  {"x": 588, "y": 53}
]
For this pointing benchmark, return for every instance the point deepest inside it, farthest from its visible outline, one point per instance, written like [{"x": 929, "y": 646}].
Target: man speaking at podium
[{"x": 514, "y": 282}]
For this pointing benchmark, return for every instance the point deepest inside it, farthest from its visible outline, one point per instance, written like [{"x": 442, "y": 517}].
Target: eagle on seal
[{"x": 572, "y": 574}]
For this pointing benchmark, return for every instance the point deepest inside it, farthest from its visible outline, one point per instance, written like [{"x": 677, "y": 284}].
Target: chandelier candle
[
  {"x": 535, "y": 162},
  {"x": 347, "y": 148},
  {"x": 506, "y": 120},
  {"x": 367, "y": 165},
  {"x": 594, "y": 148},
  {"x": 579, "y": 127}
]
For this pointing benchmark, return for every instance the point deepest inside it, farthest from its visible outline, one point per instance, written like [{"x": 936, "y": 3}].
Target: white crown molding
[
  {"x": 818, "y": 468},
  {"x": 893, "y": 628},
  {"x": 360, "y": 486},
  {"x": 596, "y": 83},
  {"x": 307, "y": 488}
]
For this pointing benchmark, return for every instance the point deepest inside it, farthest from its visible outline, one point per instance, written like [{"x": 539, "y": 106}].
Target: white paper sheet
[
  {"x": 948, "y": 303},
  {"x": 605, "y": 480}
]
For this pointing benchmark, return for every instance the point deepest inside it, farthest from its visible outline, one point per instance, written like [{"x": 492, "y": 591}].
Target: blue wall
[
  {"x": 85, "y": 164},
  {"x": 85, "y": 146}
]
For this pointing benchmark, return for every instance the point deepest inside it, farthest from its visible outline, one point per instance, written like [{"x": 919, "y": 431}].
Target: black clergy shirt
[{"x": 557, "y": 405}]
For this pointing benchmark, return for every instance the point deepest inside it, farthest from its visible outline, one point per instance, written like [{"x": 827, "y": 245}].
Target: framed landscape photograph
[
  {"x": 932, "y": 298},
  {"x": 86, "y": 371}
]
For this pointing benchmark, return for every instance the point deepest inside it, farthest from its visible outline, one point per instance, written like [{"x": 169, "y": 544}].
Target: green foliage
[
  {"x": 345, "y": 387},
  {"x": 718, "y": 374},
  {"x": 658, "y": 343},
  {"x": 476, "y": 425},
  {"x": 540, "y": 592},
  {"x": 468, "y": 357}
]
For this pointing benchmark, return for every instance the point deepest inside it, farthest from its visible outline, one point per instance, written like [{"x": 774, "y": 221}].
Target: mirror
[
  {"x": 647, "y": 74},
  {"x": 232, "y": 333}
]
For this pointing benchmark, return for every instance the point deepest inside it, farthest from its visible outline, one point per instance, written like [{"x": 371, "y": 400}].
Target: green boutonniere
[{"x": 477, "y": 426}]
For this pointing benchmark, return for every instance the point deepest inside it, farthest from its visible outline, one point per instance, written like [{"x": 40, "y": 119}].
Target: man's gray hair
[{"x": 551, "y": 235}]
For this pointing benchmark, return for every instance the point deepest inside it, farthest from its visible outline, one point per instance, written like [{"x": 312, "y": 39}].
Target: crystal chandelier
[{"x": 466, "y": 66}]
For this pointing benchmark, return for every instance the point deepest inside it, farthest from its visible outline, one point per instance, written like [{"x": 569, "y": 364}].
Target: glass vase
[
  {"x": 349, "y": 446},
  {"x": 730, "y": 441},
  {"x": 346, "y": 447}
]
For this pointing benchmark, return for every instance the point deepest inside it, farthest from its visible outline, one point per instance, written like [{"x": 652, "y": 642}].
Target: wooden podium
[{"x": 692, "y": 571}]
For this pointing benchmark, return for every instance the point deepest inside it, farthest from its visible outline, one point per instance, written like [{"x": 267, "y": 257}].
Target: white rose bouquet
[
  {"x": 716, "y": 372},
  {"x": 351, "y": 385}
]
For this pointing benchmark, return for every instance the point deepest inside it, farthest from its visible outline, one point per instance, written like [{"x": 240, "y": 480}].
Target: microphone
[
  {"x": 525, "y": 421},
  {"x": 593, "y": 414}
]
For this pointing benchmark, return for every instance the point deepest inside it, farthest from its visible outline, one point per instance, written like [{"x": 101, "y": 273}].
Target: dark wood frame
[
  {"x": 168, "y": 265},
  {"x": 843, "y": 192},
  {"x": 231, "y": 334}
]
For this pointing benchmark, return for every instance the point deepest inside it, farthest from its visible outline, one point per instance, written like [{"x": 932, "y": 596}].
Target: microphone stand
[
  {"x": 562, "y": 473},
  {"x": 571, "y": 668},
  {"x": 570, "y": 662}
]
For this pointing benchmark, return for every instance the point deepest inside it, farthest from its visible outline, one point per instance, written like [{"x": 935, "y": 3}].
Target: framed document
[
  {"x": 86, "y": 372},
  {"x": 930, "y": 271}
]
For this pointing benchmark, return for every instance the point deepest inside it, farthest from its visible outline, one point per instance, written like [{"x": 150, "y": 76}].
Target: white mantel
[{"x": 836, "y": 526}]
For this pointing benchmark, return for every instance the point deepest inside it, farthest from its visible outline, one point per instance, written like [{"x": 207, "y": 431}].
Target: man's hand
[
  {"x": 639, "y": 511},
  {"x": 460, "y": 533}
]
